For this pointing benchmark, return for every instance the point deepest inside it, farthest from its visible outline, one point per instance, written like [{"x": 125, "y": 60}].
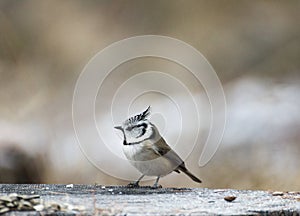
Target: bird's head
[{"x": 137, "y": 128}]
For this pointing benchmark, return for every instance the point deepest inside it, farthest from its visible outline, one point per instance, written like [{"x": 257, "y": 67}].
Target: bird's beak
[{"x": 119, "y": 128}]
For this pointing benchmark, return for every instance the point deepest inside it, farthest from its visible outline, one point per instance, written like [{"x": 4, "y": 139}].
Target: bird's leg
[
  {"x": 136, "y": 183},
  {"x": 156, "y": 185}
]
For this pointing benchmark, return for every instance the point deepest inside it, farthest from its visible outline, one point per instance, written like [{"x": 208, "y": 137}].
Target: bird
[{"x": 148, "y": 151}]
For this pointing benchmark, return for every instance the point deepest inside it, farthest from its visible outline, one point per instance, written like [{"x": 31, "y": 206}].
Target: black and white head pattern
[{"x": 138, "y": 127}]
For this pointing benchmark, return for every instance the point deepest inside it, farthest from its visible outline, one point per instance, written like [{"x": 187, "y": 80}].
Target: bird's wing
[{"x": 163, "y": 149}]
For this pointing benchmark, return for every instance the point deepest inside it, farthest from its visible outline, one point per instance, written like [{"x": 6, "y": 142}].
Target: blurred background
[{"x": 254, "y": 47}]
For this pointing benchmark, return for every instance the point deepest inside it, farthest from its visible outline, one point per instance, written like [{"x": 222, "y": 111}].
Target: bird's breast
[
  {"x": 140, "y": 152},
  {"x": 143, "y": 157}
]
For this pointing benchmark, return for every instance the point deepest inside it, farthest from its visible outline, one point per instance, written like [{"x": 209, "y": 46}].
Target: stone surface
[{"x": 120, "y": 200}]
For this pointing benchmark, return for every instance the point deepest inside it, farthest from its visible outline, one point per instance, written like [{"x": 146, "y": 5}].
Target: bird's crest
[{"x": 139, "y": 117}]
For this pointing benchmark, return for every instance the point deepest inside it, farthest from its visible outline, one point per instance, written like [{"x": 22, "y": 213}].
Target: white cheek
[
  {"x": 148, "y": 133},
  {"x": 131, "y": 139}
]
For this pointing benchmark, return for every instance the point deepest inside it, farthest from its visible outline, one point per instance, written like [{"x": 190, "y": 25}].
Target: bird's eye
[{"x": 129, "y": 128}]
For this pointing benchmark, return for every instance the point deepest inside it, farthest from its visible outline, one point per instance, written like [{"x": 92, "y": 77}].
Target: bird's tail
[{"x": 189, "y": 174}]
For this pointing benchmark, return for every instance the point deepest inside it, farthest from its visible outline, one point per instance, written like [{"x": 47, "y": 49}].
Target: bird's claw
[
  {"x": 155, "y": 186},
  {"x": 133, "y": 185}
]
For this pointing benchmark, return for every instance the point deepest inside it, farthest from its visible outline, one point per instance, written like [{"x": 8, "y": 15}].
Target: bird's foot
[
  {"x": 156, "y": 186},
  {"x": 133, "y": 185}
]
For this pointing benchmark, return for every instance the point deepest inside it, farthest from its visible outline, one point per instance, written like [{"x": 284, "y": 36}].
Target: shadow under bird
[{"x": 148, "y": 152}]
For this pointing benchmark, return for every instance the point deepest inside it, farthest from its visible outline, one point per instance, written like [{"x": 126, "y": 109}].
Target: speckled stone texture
[{"x": 121, "y": 200}]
